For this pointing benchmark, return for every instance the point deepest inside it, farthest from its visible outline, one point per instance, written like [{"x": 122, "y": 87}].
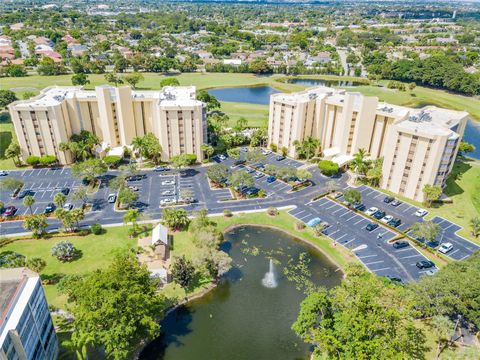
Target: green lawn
[
  {"x": 6, "y": 136},
  {"x": 257, "y": 115}
]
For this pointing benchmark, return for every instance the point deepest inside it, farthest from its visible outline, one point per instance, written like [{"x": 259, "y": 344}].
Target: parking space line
[
  {"x": 353, "y": 216},
  {"x": 367, "y": 256},
  {"x": 359, "y": 221},
  {"x": 410, "y": 256},
  {"x": 374, "y": 262},
  {"x": 348, "y": 242}
]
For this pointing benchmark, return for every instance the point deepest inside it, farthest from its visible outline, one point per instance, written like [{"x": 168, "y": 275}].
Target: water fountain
[{"x": 269, "y": 280}]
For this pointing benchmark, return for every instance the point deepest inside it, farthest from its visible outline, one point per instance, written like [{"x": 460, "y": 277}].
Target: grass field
[
  {"x": 257, "y": 115},
  {"x": 6, "y": 136}
]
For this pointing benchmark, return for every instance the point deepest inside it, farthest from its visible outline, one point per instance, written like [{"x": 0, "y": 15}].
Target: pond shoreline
[{"x": 211, "y": 286}]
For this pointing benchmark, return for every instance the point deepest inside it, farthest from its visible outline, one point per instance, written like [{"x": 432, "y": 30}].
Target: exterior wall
[
  {"x": 33, "y": 336},
  {"x": 414, "y": 155},
  {"x": 115, "y": 115}
]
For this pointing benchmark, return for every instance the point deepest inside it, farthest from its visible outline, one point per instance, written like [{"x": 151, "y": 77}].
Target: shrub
[
  {"x": 328, "y": 167},
  {"x": 96, "y": 229},
  {"x": 272, "y": 211},
  {"x": 32, "y": 160},
  {"x": 190, "y": 159},
  {"x": 273, "y": 147},
  {"x": 112, "y": 160},
  {"x": 64, "y": 251},
  {"x": 48, "y": 160},
  {"x": 299, "y": 225},
  {"x": 227, "y": 213}
]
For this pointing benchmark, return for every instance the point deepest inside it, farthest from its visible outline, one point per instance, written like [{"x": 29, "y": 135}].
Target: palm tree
[
  {"x": 29, "y": 201},
  {"x": 137, "y": 144},
  {"x": 59, "y": 199},
  {"x": 308, "y": 147},
  {"x": 207, "y": 149},
  {"x": 131, "y": 216},
  {"x": 358, "y": 163}
]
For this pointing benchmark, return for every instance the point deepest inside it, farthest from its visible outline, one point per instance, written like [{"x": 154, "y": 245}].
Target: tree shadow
[
  {"x": 459, "y": 169},
  {"x": 5, "y": 141},
  {"x": 51, "y": 279}
]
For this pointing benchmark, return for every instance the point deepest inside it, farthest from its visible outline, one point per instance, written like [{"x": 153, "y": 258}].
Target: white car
[
  {"x": 431, "y": 272},
  {"x": 167, "y": 202},
  {"x": 266, "y": 152},
  {"x": 222, "y": 157},
  {"x": 3, "y": 173},
  {"x": 371, "y": 211},
  {"x": 445, "y": 248},
  {"x": 68, "y": 206},
  {"x": 111, "y": 198},
  {"x": 168, "y": 192},
  {"x": 421, "y": 212},
  {"x": 168, "y": 182},
  {"x": 386, "y": 219}
]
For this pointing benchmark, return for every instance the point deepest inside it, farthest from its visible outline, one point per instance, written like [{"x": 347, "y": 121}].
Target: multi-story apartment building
[
  {"x": 115, "y": 115},
  {"x": 26, "y": 328},
  {"x": 418, "y": 146}
]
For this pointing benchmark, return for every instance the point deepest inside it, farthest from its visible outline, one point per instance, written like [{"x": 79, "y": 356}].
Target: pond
[
  {"x": 323, "y": 82},
  {"x": 472, "y": 135},
  {"x": 252, "y": 95},
  {"x": 244, "y": 317}
]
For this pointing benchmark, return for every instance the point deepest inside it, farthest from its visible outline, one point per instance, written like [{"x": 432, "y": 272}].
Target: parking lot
[
  {"x": 462, "y": 248},
  {"x": 405, "y": 212},
  {"x": 347, "y": 228}
]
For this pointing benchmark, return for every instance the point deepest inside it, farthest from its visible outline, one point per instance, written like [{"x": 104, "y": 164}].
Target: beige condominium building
[
  {"x": 418, "y": 146},
  {"x": 115, "y": 115}
]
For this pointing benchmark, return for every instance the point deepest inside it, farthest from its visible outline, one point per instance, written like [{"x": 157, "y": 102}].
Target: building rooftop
[
  {"x": 308, "y": 94},
  {"x": 11, "y": 280},
  {"x": 168, "y": 96}
]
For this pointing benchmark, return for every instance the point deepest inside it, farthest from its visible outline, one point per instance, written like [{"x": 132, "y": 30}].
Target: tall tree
[
  {"x": 13, "y": 151},
  {"x": 36, "y": 224},
  {"x": 207, "y": 150},
  {"x": 29, "y": 201},
  {"x": 307, "y": 148},
  {"x": 175, "y": 219},
  {"x": 427, "y": 230},
  {"x": 116, "y": 308},
  {"x": 362, "y": 318},
  {"x": 431, "y": 193},
  {"x": 90, "y": 168}
]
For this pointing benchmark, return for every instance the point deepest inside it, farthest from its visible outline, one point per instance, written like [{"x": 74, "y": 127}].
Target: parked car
[
  {"x": 49, "y": 208},
  {"x": 222, "y": 157},
  {"x": 24, "y": 193},
  {"x": 169, "y": 201},
  {"x": 359, "y": 207},
  {"x": 266, "y": 152},
  {"x": 134, "y": 188},
  {"x": 168, "y": 192},
  {"x": 379, "y": 215},
  {"x": 395, "y": 202},
  {"x": 252, "y": 191},
  {"x": 386, "y": 219},
  {"x": 136, "y": 177},
  {"x": 3, "y": 173},
  {"x": 371, "y": 211},
  {"x": 249, "y": 170},
  {"x": 239, "y": 162},
  {"x": 112, "y": 198},
  {"x": 258, "y": 175},
  {"x": 400, "y": 244},
  {"x": 280, "y": 158},
  {"x": 338, "y": 194},
  {"x": 425, "y": 264},
  {"x": 421, "y": 212},
  {"x": 85, "y": 181},
  {"x": 388, "y": 199},
  {"x": 445, "y": 248},
  {"x": 395, "y": 222},
  {"x": 161, "y": 168},
  {"x": 65, "y": 191},
  {"x": 168, "y": 182},
  {"x": 371, "y": 226},
  {"x": 271, "y": 179},
  {"x": 10, "y": 210},
  {"x": 68, "y": 206}
]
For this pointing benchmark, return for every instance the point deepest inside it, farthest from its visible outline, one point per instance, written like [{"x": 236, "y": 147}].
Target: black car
[
  {"x": 395, "y": 222},
  {"x": 65, "y": 191},
  {"x": 280, "y": 158},
  {"x": 359, "y": 207},
  {"x": 86, "y": 181},
  {"x": 388, "y": 199},
  {"x": 400, "y": 244},
  {"x": 25, "y": 193},
  {"x": 252, "y": 191},
  {"x": 239, "y": 162},
  {"x": 49, "y": 208},
  {"x": 371, "y": 226},
  {"x": 379, "y": 215},
  {"x": 425, "y": 264},
  {"x": 136, "y": 177}
]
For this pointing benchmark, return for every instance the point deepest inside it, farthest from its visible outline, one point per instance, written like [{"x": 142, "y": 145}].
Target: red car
[{"x": 10, "y": 211}]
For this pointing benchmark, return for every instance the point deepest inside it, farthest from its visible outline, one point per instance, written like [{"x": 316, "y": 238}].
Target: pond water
[
  {"x": 472, "y": 135},
  {"x": 246, "y": 317},
  {"x": 252, "y": 95},
  {"x": 322, "y": 82}
]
